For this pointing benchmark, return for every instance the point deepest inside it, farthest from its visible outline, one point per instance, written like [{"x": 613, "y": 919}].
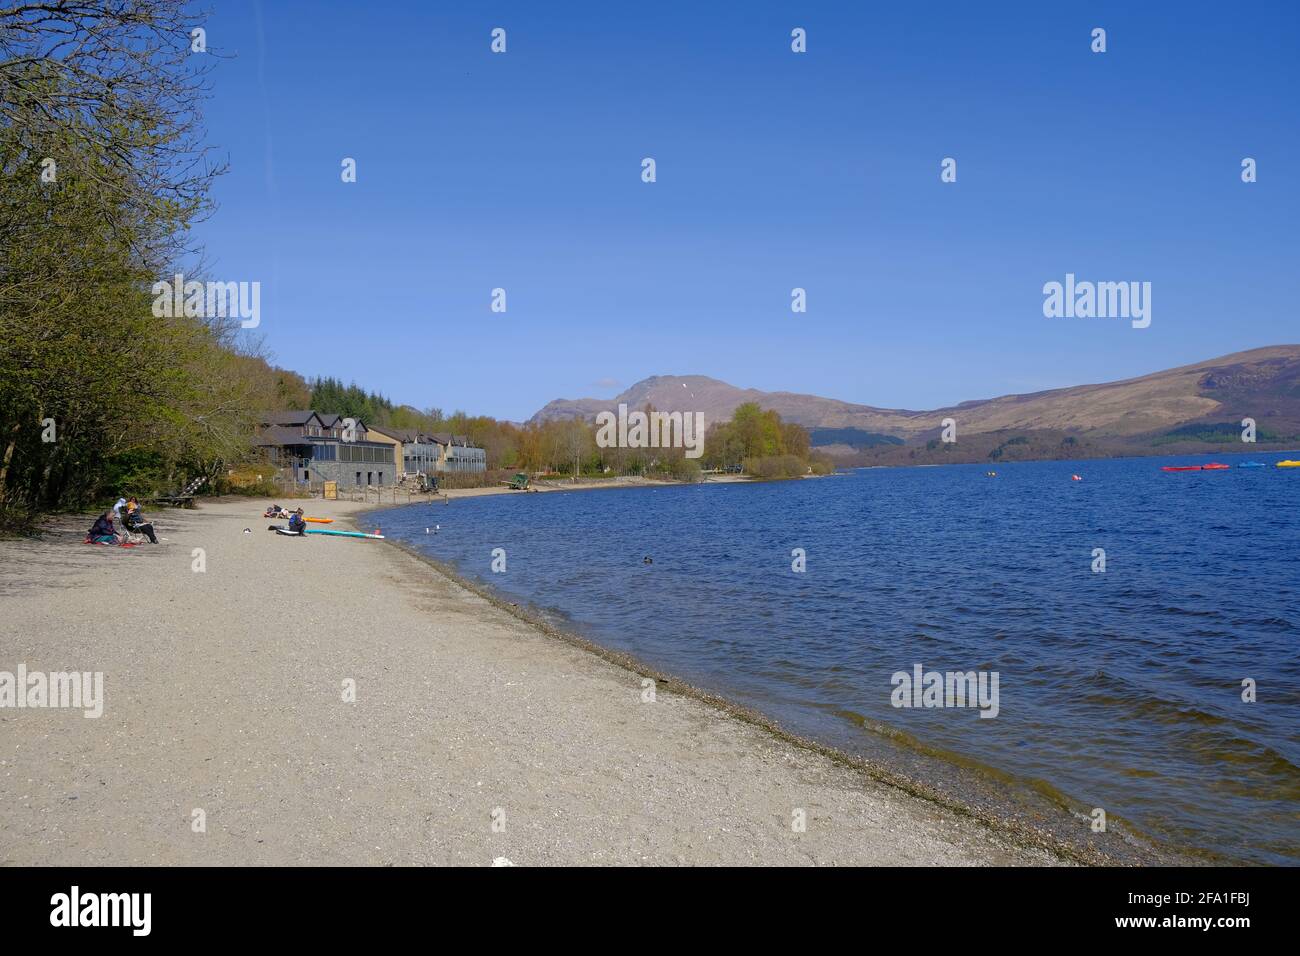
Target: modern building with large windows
[
  {"x": 425, "y": 453},
  {"x": 312, "y": 448}
]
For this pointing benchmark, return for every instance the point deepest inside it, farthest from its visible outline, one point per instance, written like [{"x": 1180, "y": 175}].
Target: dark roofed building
[
  {"x": 312, "y": 448},
  {"x": 289, "y": 417}
]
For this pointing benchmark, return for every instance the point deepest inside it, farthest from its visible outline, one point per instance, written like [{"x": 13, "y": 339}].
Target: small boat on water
[
  {"x": 1076, "y": 477},
  {"x": 1288, "y": 463},
  {"x": 1215, "y": 466},
  {"x": 1251, "y": 464},
  {"x": 1181, "y": 467}
]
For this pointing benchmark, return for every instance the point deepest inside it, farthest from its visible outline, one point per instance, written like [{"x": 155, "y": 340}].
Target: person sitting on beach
[
  {"x": 135, "y": 522},
  {"x": 296, "y": 522},
  {"x": 102, "y": 531},
  {"x": 275, "y": 511}
]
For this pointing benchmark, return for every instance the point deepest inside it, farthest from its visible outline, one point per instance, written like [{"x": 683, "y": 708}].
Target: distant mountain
[
  {"x": 717, "y": 400},
  {"x": 1194, "y": 406}
]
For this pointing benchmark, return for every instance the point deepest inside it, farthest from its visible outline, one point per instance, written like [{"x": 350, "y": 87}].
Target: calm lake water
[{"x": 1120, "y": 690}]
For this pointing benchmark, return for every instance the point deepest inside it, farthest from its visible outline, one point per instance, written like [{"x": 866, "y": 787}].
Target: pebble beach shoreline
[{"x": 474, "y": 737}]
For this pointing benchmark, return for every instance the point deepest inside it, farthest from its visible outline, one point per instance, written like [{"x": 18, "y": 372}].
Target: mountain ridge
[{"x": 1261, "y": 383}]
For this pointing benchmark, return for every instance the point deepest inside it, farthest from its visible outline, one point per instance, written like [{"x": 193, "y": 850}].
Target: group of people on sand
[
  {"x": 297, "y": 522},
  {"x": 105, "y": 529}
]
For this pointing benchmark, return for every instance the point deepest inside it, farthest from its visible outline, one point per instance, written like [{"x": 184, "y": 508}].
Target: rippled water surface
[{"x": 1120, "y": 690}]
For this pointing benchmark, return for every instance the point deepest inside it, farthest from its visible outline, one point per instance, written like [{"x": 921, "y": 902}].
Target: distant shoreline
[{"x": 994, "y": 464}]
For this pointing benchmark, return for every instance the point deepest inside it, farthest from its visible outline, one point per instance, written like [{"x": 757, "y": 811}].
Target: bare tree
[{"x": 575, "y": 442}]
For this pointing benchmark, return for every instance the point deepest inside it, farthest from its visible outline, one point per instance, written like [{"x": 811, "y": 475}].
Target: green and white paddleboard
[{"x": 343, "y": 534}]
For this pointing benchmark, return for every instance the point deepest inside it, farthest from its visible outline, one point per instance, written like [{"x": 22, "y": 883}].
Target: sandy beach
[{"x": 474, "y": 736}]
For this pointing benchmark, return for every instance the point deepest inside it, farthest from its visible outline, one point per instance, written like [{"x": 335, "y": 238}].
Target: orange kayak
[{"x": 331, "y": 520}]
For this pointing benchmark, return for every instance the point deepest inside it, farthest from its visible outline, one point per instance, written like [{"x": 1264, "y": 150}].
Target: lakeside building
[
  {"x": 425, "y": 453},
  {"x": 311, "y": 448}
]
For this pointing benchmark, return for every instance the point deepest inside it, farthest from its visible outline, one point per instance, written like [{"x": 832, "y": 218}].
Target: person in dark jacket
[
  {"x": 135, "y": 521},
  {"x": 102, "y": 531},
  {"x": 296, "y": 522}
]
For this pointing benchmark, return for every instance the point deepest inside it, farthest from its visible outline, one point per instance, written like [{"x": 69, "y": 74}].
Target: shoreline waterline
[
  {"x": 224, "y": 697},
  {"x": 1003, "y": 812},
  {"x": 1115, "y": 676}
]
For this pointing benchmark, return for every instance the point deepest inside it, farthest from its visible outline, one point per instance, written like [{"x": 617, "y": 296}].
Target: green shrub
[
  {"x": 821, "y": 464},
  {"x": 684, "y": 469}
]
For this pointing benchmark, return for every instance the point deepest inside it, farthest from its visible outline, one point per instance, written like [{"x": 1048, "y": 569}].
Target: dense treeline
[
  {"x": 102, "y": 172},
  {"x": 759, "y": 443},
  {"x": 332, "y": 396},
  {"x": 754, "y": 441}
]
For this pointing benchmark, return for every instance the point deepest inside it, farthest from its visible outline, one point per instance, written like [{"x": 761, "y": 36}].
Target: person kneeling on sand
[
  {"x": 102, "y": 531},
  {"x": 135, "y": 522},
  {"x": 296, "y": 522}
]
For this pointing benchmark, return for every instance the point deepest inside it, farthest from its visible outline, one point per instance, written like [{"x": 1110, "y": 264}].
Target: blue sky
[{"x": 775, "y": 170}]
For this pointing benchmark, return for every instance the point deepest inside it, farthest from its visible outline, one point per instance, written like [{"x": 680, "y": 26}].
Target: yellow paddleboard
[{"x": 1288, "y": 464}]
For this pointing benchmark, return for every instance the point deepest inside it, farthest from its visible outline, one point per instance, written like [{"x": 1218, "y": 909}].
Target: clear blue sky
[{"x": 775, "y": 170}]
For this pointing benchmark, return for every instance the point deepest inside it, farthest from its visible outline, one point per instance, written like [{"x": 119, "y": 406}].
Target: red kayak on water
[
  {"x": 1181, "y": 468},
  {"x": 1215, "y": 466}
]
